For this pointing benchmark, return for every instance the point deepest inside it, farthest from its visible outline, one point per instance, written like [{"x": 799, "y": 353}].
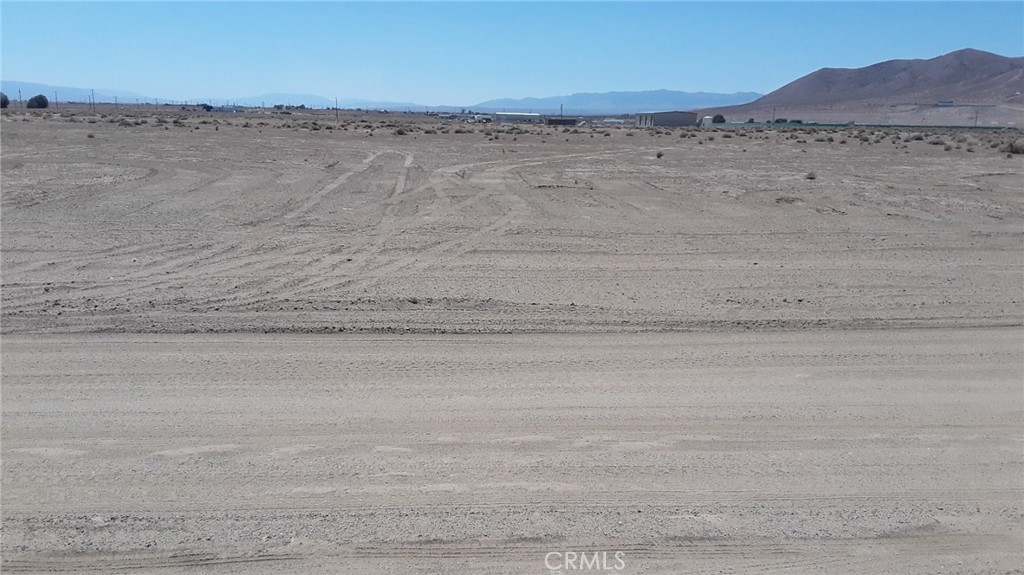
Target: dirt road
[{"x": 865, "y": 451}]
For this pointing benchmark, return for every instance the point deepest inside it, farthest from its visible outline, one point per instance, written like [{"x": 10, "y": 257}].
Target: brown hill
[
  {"x": 909, "y": 89},
  {"x": 967, "y": 76}
]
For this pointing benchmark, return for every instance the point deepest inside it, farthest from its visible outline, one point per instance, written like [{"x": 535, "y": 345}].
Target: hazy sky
[{"x": 462, "y": 53}]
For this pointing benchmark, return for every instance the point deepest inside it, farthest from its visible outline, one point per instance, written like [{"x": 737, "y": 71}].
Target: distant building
[
  {"x": 561, "y": 121},
  {"x": 651, "y": 119},
  {"x": 517, "y": 118}
]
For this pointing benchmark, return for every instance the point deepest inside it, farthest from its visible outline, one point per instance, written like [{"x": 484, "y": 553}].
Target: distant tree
[
  {"x": 38, "y": 101},
  {"x": 750, "y": 120},
  {"x": 4, "y": 100},
  {"x": 718, "y": 119},
  {"x": 207, "y": 108}
]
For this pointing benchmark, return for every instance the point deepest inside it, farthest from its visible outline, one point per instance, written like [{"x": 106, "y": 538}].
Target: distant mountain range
[
  {"x": 72, "y": 94},
  {"x": 68, "y": 93},
  {"x": 618, "y": 102},
  {"x": 963, "y": 77},
  {"x": 575, "y": 104}
]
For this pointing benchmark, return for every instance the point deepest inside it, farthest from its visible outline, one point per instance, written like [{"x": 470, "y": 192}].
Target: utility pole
[
  {"x": 92, "y": 100},
  {"x": 19, "y": 98},
  {"x": 976, "y": 110},
  {"x": 337, "y": 114},
  {"x": 56, "y": 104}
]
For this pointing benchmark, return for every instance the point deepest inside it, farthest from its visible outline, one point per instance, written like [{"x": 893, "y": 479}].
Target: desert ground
[{"x": 389, "y": 343}]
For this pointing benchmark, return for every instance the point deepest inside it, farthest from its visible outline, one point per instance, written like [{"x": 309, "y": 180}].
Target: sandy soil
[
  {"x": 789, "y": 351},
  {"x": 215, "y": 227},
  {"x": 891, "y": 451}
]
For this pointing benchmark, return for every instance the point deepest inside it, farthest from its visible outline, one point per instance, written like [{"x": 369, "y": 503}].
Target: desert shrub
[
  {"x": 811, "y": 176},
  {"x": 1013, "y": 147},
  {"x": 38, "y": 101},
  {"x": 400, "y": 132},
  {"x": 661, "y": 155},
  {"x": 4, "y": 100}
]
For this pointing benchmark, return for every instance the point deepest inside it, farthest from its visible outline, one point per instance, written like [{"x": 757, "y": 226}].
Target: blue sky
[{"x": 462, "y": 53}]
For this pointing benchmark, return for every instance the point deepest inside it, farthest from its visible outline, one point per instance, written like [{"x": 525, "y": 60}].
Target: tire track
[{"x": 312, "y": 201}]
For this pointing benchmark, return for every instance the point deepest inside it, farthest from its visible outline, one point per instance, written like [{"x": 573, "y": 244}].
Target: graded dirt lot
[{"x": 384, "y": 343}]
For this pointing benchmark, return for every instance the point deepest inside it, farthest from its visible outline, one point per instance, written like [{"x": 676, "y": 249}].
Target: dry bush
[{"x": 1015, "y": 146}]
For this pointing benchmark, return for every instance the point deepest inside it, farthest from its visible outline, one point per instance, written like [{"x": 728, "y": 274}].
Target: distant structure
[
  {"x": 651, "y": 119},
  {"x": 517, "y": 118},
  {"x": 561, "y": 121}
]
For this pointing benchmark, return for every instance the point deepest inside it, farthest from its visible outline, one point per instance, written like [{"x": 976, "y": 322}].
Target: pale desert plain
[{"x": 385, "y": 343}]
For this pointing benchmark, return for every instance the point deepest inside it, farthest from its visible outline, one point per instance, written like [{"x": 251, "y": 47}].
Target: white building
[
  {"x": 517, "y": 118},
  {"x": 650, "y": 119}
]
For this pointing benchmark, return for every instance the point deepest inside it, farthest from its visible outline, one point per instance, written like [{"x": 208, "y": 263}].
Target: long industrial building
[{"x": 651, "y": 119}]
